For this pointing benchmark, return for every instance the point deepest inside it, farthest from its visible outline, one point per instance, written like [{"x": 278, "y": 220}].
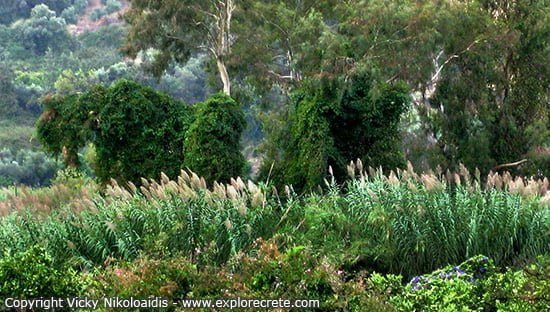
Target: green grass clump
[
  {"x": 403, "y": 223},
  {"x": 249, "y": 240}
]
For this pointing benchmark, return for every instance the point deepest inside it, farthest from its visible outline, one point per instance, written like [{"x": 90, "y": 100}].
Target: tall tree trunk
[
  {"x": 221, "y": 39},
  {"x": 224, "y": 75}
]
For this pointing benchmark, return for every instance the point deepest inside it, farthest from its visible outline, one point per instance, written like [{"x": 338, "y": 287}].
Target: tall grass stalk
[{"x": 404, "y": 222}]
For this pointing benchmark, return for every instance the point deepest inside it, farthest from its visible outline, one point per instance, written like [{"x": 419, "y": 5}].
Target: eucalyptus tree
[
  {"x": 491, "y": 106},
  {"x": 180, "y": 28},
  {"x": 282, "y": 42}
]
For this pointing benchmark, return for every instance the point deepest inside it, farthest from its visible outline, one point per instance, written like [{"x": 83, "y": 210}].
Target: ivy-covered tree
[
  {"x": 212, "y": 146},
  {"x": 67, "y": 123},
  {"x": 140, "y": 133},
  {"x": 335, "y": 120}
]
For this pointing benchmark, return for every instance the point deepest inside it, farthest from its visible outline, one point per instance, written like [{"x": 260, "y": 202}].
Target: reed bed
[{"x": 402, "y": 222}]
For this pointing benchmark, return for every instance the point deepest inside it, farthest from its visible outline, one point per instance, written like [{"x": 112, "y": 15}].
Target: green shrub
[
  {"x": 33, "y": 274},
  {"x": 141, "y": 133},
  {"x": 476, "y": 285},
  {"x": 212, "y": 147},
  {"x": 335, "y": 120},
  {"x": 296, "y": 273},
  {"x": 142, "y": 278},
  {"x": 136, "y": 131}
]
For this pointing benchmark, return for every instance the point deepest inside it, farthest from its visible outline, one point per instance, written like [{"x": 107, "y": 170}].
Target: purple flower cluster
[{"x": 468, "y": 271}]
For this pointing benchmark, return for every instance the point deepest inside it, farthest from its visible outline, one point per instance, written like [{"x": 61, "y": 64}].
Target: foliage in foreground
[
  {"x": 178, "y": 238},
  {"x": 268, "y": 272},
  {"x": 404, "y": 223},
  {"x": 32, "y": 274}
]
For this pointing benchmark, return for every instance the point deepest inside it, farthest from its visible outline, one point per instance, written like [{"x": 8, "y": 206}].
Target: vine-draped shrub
[
  {"x": 333, "y": 121},
  {"x": 137, "y": 132},
  {"x": 212, "y": 142}
]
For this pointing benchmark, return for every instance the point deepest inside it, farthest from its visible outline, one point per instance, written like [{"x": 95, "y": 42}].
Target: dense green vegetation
[
  {"x": 320, "y": 245},
  {"x": 40, "y": 55},
  {"x": 212, "y": 142},
  {"x": 334, "y": 121},
  {"x": 124, "y": 125},
  {"x": 137, "y": 132}
]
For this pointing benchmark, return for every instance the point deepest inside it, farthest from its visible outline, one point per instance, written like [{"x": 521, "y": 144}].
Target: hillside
[
  {"x": 84, "y": 50},
  {"x": 86, "y": 23}
]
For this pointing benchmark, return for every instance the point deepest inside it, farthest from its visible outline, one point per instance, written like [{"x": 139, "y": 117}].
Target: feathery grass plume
[
  {"x": 242, "y": 209},
  {"x": 359, "y": 165},
  {"x": 171, "y": 187},
  {"x": 240, "y": 184},
  {"x": 532, "y": 188},
  {"x": 477, "y": 175},
  {"x": 465, "y": 174},
  {"x": 146, "y": 192},
  {"x": 187, "y": 192},
  {"x": 449, "y": 177},
  {"x": 351, "y": 170},
  {"x": 181, "y": 181},
  {"x": 228, "y": 224},
  {"x": 410, "y": 171},
  {"x": 516, "y": 186},
  {"x": 392, "y": 179},
  {"x": 4, "y": 209},
  {"x": 184, "y": 176},
  {"x": 232, "y": 192},
  {"x": 164, "y": 178},
  {"x": 145, "y": 182},
  {"x": 258, "y": 199},
  {"x": 506, "y": 178},
  {"x": 372, "y": 172},
  {"x": 544, "y": 187},
  {"x": 411, "y": 185},
  {"x": 219, "y": 190},
  {"x": 132, "y": 187},
  {"x": 456, "y": 179},
  {"x": 431, "y": 182},
  {"x": 251, "y": 187},
  {"x": 160, "y": 193},
  {"x": 195, "y": 181}
]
